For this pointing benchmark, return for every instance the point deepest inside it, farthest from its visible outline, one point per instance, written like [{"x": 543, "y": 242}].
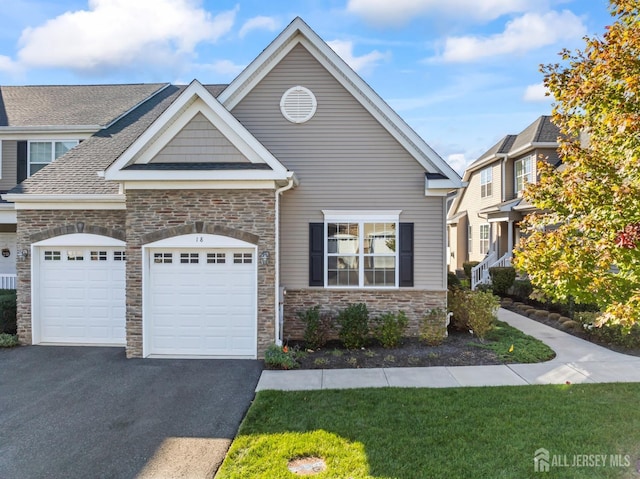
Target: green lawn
[{"x": 432, "y": 433}]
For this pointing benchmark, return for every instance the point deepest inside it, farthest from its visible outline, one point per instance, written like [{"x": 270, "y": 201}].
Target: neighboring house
[
  {"x": 198, "y": 221},
  {"x": 484, "y": 218}
]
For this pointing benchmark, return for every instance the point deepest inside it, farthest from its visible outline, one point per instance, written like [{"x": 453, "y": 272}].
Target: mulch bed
[{"x": 456, "y": 350}]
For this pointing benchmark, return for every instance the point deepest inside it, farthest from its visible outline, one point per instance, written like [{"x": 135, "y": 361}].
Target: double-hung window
[
  {"x": 484, "y": 239},
  {"x": 41, "y": 153},
  {"x": 522, "y": 169},
  {"x": 486, "y": 182},
  {"x": 360, "y": 250}
]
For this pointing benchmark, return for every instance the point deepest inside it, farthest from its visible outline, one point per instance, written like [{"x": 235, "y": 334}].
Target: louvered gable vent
[{"x": 298, "y": 104}]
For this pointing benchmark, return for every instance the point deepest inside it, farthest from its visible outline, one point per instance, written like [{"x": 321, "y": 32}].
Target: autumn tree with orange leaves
[{"x": 585, "y": 242}]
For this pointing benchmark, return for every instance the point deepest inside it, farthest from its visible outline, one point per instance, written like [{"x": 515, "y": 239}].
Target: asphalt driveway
[{"x": 85, "y": 412}]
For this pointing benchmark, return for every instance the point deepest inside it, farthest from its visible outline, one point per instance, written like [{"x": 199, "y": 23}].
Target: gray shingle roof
[
  {"x": 76, "y": 171},
  {"x": 64, "y": 105},
  {"x": 540, "y": 131},
  {"x": 501, "y": 147}
]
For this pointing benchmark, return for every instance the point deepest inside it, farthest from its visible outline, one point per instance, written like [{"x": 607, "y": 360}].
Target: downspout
[
  {"x": 278, "y": 316},
  {"x": 505, "y": 157}
]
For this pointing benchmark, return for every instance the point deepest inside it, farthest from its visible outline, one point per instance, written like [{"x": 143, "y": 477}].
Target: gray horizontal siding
[
  {"x": 199, "y": 141},
  {"x": 344, "y": 160},
  {"x": 9, "y": 165}
]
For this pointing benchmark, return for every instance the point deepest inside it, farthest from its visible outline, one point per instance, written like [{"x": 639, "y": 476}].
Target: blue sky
[{"x": 462, "y": 73}]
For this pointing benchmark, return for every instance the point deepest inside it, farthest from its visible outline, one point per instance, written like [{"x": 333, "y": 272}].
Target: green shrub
[
  {"x": 354, "y": 326},
  {"x": 485, "y": 288},
  {"x": 456, "y": 303},
  {"x": 8, "y": 340},
  {"x": 433, "y": 328},
  {"x": 467, "y": 267},
  {"x": 316, "y": 327},
  {"x": 389, "y": 328},
  {"x": 452, "y": 280},
  {"x": 280, "y": 357},
  {"x": 473, "y": 310},
  {"x": 609, "y": 333},
  {"x": 482, "y": 308},
  {"x": 522, "y": 289},
  {"x": 502, "y": 278},
  {"x": 8, "y": 311}
]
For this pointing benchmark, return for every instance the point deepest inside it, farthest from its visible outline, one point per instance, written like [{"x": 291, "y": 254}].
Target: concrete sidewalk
[{"x": 576, "y": 361}]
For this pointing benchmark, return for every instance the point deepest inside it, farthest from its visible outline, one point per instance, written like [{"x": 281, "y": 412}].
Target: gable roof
[
  {"x": 542, "y": 133},
  {"x": 95, "y": 106},
  {"x": 298, "y": 32},
  {"x": 76, "y": 173},
  {"x": 193, "y": 100}
]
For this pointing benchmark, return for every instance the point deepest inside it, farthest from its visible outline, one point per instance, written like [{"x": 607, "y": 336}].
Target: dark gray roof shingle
[
  {"x": 76, "y": 171},
  {"x": 540, "y": 131},
  {"x": 66, "y": 105}
]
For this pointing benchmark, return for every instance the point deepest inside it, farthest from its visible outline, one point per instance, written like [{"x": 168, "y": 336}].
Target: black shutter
[
  {"x": 316, "y": 254},
  {"x": 22, "y": 161},
  {"x": 406, "y": 254}
]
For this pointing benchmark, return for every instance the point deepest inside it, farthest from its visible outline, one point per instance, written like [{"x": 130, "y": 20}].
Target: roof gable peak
[
  {"x": 193, "y": 100},
  {"x": 299, "y": 33}
]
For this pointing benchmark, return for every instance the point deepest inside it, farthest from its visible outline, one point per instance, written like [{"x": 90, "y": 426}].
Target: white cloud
[
  {"x": 227, "y": 67},
  {"x": 537, "y": 93},
  {"x": 398, "y": 12},
  {"x": 364, "y": 63},
  {"x": 528, "y": 32},
  {"x": 7, "y": 65},
  {"x": 458, "y": 162},
  {"x": 118, "y": 33},
  {"x": 258, "y": 23}
]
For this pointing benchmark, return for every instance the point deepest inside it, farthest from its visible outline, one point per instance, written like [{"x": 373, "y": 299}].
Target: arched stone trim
[
  {"x": 199, "y": 227},
  {"x": 78, "y": 227}
]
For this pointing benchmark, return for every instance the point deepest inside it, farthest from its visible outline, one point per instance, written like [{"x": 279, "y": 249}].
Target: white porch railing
[
  {"x": 7, "y": 281},
  {"x": 480, "y": 272}
]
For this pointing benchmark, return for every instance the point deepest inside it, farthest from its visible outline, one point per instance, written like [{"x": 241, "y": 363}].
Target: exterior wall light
[
  {"x": 22, "y": 255},
  {"x": 264, "y": 258}
]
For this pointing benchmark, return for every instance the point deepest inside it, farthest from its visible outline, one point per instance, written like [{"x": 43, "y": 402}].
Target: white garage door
[
  {"x": 81, "y": 295},
  {"x": 202, "y": 302}
]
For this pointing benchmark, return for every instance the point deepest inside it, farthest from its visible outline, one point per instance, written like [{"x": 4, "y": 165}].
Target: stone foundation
[{"x": 415, "y": 304}]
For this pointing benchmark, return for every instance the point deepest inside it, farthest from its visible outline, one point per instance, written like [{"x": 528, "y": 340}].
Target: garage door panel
[
  {"x": 194, "y": 308},
  {"x": 81, "y": 301}
]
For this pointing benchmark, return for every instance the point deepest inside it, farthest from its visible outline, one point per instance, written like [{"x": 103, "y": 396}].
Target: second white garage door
[
  {"x": 201, "y": 302},
  {"x": 80, "y": 295}
]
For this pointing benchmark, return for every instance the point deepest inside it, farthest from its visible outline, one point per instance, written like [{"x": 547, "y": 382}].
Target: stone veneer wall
[
  {"x": 38, "y": 225},
  {"x": 414, "y": 303},
  {"x": 156, "y": 214}
]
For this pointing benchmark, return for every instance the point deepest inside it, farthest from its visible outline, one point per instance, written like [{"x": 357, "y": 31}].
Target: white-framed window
[
  {"x": 522, "y": 169},
  {"x": 165, "y": 258},
  {"x": 189, "y": 258},
  {"x": 486, "y": 182},
  {"x": 43, "y": 152},
  {"x": 216, "y": 258},
  {"x": 360, "y": 249},
  {"x": 469, "y": 239},
  {"x": 242, "y": 258},
  {"x": 484, "y": 239}
]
